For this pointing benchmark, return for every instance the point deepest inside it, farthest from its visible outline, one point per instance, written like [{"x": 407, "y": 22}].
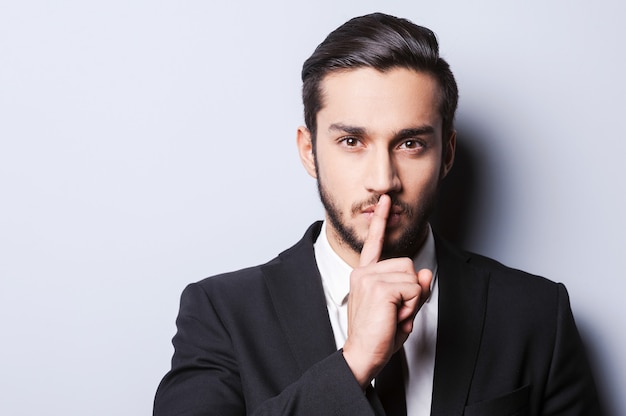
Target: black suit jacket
[{"x": 259, "y": 341}]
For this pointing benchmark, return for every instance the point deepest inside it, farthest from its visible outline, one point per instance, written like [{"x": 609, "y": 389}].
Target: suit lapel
[
  {"x": 462, "y": 304},
  {"x": 295, "y": 287}
]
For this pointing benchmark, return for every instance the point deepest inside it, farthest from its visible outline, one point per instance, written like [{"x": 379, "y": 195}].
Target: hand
[{"x": 384, "y": 298}]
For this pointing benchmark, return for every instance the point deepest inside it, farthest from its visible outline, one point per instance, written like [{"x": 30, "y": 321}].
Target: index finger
[{"x": 373, "y": 245}]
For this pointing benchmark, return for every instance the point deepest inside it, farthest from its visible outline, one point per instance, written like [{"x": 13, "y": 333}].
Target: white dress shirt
[{"x": 419, "y": 347}]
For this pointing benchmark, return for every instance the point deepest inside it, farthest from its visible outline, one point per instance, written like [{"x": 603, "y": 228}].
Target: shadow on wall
[
  {"x": 600, "y": 363},
  {"x": 466, "y": 201},
  {"x": 462, "y": 191}
]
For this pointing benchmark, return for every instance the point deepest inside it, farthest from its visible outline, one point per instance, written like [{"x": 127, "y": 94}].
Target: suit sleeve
[
  {"x": 205, "y": 377},
  {"x": 570, "y": 389}
]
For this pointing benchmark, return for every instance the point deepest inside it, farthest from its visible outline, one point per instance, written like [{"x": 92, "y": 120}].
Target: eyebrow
[
  {"x": 360, "y": 131},
  {"x": 357, "y": 131},
  {"x": 416, "y": 131}
]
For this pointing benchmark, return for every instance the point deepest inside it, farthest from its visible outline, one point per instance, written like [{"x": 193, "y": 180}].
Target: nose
[{"x": 382, "y": 174}]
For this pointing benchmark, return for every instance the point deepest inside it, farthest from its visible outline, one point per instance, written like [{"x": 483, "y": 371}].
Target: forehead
[{"x": 394, "y": 99}]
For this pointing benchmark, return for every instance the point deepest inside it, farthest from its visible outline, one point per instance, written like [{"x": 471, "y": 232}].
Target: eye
[
  {"x": 411, "y": 145},
  {"x": 350, "y": 141}
]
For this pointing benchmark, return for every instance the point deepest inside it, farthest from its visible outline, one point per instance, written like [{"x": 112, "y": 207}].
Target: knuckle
[{"x": 407, "y": 262}]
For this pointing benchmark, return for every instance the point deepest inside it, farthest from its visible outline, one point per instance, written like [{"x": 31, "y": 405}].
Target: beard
[{"x": 411, "y": 236}]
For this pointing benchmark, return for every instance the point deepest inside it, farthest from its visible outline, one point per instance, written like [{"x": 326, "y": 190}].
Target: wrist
[{"x": 361, "y": 367}]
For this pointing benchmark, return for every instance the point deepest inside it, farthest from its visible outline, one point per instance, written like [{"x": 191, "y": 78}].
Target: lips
[
  {"x": 394, "y": 218},
  {"x": 395, "y": 210}
]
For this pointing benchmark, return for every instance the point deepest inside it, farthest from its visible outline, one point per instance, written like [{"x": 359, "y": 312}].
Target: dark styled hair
[{"x": 382, "y": 42}]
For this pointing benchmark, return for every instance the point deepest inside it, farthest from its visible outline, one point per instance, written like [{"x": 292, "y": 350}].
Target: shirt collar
[{"x": 335, "y": 272}]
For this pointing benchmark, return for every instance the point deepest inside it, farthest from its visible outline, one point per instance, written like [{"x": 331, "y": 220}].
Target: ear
[
  {"x": 448, "y": 155},
  {"x": 305, "y": 148}
]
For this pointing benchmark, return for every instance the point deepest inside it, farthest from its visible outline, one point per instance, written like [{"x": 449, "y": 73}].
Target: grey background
[{"x": 145, "y": 145}]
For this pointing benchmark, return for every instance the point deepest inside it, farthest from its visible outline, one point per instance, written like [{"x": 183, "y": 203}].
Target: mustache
[{"x": 404, "y": 208}]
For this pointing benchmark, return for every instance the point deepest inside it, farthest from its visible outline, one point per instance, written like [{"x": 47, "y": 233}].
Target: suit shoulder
[
  {"x": 236, "y": 278},
  {"x": 517, "y": 290},
  {"x": 499, "y": 270},
  {"x": 300, "y": 253},
  {"x": 502, "y": 278},
  {"x": 449, "y": 253}
]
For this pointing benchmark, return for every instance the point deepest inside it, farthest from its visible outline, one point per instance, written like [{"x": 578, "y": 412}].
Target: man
[{"x": 371, "y": 296}]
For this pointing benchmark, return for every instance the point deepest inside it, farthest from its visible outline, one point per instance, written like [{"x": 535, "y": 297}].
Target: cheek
[
  {"x": 337, "y": 175},
  {"x": 338, "y": 183},
  {"x": 420, "y": 178}
]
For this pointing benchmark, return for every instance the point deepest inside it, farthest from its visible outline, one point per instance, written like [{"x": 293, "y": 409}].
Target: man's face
[{"x": 377, "y": 133}]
